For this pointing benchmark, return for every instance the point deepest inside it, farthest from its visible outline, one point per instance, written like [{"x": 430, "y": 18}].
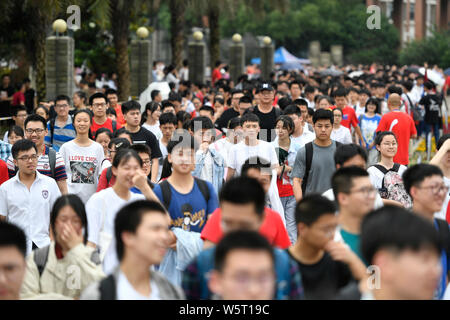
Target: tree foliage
[{"x": 433, "y": 50}]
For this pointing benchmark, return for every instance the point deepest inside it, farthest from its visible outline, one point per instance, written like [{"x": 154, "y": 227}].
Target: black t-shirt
[
  {"x": 267, "y": 122},
  {"x": 29, "y": 99},
  {"x": 5, "y": 106},
  {"x": 145, "y": 136},
  {"x": 226, "y": 116},
  {"x": 432, "y": 104},
  {"x": 322, "y": 280}
]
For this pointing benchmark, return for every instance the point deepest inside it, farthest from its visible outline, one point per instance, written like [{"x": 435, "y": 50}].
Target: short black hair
[
  {"x": 35, "y": 118},
  {"x": 300, "y": 102},
  {"x": 244, "y": 190},
  {"x": 182, "y": 116},
  {"x": 13, "y": 236},
  {"x": 173, "y": 96},
  {"x": 414, "y": 175},
  {"x": 130, "y": 105},
  {"x": 129, "y": 218},
  {"x": 111, "y": 111},
  {"x": 442, "y": 140},
  {"x": 342, "y": 180},
  {"x": 141, "y": 148},
  {"x": 258, "y": 163},
  {"x": 250, "y": 117},
  {"x": 392, "y": 227},
  {"x": 62, "y": 97},
  {"x": 340, "y": 92},
  {"x": 168, "y": 118},
  {"x": 234, "y": 122},
  {"x": 347, "y": 151},
  {"x": 166, "y": 104},
  {"x": 77, "y": 205},
  {"x": 408, "y": 85},
  {"x": 154, "y": 93},
  {"x": 207, "y": 108},
  {"x": 310, "y": 111},
  {"x": 309, "y": 89},
  {"x": 97, "y": 95},
  {"x": 240, "y": 240},
  {"x": 199, "y": 123},
  {"x": 17, "y": 109},
  {"x": 312, "y": 207},
  {"x": 246, "y": 99},
  {"x": 292, "y": 109},
  {"x": 22, "y": 145},
  {"x": 323, "y": 114},
  {"x": 184, "y": 140},
  {"x": 110, "y": 91}
]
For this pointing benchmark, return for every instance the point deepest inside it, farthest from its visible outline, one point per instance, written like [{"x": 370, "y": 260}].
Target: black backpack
[
  {"x": 167, "y": 193},
  {"x": 309, "y": 149}
]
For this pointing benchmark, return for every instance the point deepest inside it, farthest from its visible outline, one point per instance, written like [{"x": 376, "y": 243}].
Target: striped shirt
[
  {"x": 60, "y": 135},
  {"x": 43, "y": 166}
]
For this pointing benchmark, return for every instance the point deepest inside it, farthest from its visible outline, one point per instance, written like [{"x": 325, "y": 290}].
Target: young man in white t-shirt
[
  {"x": 250, "y": 147},
  {"x": 299, "y": 136},
  {"x": 27, "y": 199},
  {"x": 142, "y": 232}
]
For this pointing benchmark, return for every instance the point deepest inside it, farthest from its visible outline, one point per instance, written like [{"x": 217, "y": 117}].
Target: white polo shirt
[{"x": 30, "y": 209}]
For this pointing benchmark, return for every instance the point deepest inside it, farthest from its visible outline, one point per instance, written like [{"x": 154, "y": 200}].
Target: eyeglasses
[
  {"x": 367, "y": 191},
  {"x": 244, "y": 280},
  {"x": 111, "y": 151},
  {"x": 146, "y": 162},
  {"x": 28, "y": 158},
  {"x": 99, "y": 105},
  {"x": 37, "y": 131},
  {"x": 437, "y": 188}
]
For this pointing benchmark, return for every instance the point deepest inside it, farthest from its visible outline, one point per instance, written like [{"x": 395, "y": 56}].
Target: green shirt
[{"x": 352, "y": 240}]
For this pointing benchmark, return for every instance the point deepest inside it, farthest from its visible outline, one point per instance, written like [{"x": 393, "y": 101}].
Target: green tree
[{"x": 433, "y": 50}]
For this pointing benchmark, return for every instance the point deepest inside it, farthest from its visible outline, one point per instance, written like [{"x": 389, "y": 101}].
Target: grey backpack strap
[
  {"x": 40, "y": 258},
  {"x": 52, "y": 161}
]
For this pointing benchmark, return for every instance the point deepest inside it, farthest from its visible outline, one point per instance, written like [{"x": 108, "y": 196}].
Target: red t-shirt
[
  {"x": 18, "y": 99},
  {"x": 272, "y": 228},
  {"x": 103, "y": 182},
  {"x": 3, "y": 172},
  {"x": 402, "y": 125},
  {"x": 216, "y": 75},
  {"x": 107, "y": 124},
  {"x": 119, "y": 117},
  {"x": 348, "y": 117},
  {"x": 284, "y": 190}
]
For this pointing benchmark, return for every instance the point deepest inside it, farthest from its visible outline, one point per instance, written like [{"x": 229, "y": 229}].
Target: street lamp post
[
  {"x": 141, "y": 62},
  {"x": 59, "y": 62}
]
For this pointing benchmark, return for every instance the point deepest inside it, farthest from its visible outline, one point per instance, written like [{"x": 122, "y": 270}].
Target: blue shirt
[
  {"x": 439, "y": 294},
  {"x": 368, "y": 127},
  {"x": 190, "y": 211},
  {"x": 61, "y": 135}
]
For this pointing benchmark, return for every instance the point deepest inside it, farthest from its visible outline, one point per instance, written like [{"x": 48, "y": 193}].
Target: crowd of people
[{"x": 294, "y": 187}]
